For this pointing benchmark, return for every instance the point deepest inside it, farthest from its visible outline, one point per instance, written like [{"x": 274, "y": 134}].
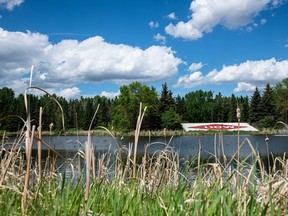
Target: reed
[
  {"x": 163, "y": 186},
  {"x": 89, "y": 156},
  {"x": 39, "y": 131},
  {"x": 29, "y": 136},
  {"x": 137, "y": 133}
]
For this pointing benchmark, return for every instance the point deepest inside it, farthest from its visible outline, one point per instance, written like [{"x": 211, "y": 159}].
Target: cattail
[{"x": 238, "y": 113}]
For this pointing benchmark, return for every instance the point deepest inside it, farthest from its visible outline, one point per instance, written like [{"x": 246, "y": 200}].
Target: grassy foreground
[{"x": 162, "y": 184}]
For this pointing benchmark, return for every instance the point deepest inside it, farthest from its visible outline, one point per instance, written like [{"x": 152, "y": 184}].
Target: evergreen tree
[
  {"x": 255, "y": 106},
  {"x": 244, "y": 106},
  {"x": 219, "y": 109},
  {"x": 72, "y": 114},
  {"x": 20, "y": 106},
  {"x": 89, "y": 110},
  {"x": 166, "y": 99},
  {"x": 81, "y": 106},
  {"x": 180, "y": 107},
  {"x": 268, "y": 102},
  {"x": 7, "y": 107},
  {"x": 232, "y": 109},
  {"x": 105, "y": 109},
  {"x": 6, "y": 101}
]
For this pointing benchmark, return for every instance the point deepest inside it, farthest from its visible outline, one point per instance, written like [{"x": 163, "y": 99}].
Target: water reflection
[{"x": 70, "y": 148}]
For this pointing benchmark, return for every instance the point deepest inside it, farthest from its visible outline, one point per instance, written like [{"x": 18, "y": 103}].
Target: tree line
[{"x": 163, "y": 110}]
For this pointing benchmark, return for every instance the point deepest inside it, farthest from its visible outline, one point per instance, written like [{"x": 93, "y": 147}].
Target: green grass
[{"x": 213, "y": 191}]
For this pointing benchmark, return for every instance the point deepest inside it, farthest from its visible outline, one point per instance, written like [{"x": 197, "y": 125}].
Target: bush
[{"x": 267, "y": 122}]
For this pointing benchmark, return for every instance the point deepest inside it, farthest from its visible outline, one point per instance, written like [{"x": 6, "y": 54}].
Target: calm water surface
[{"x": 187, "y": 146}]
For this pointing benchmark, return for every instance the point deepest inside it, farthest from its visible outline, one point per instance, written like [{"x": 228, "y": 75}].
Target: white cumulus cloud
[
  {"x": 172, "y": 16},
  {"x": 153, "y": 24},
  {"x": 70, "y": 62},
  {"x": 160, "y": 38},
  {"x": 69, "y": 93},
  {"x": 244, "y": 87},
  {"x": 206, "y": 14},
  {"x": 10, "y": 4},
  {"x": 263, "y": 21},
  {"x": 110, "y": 94},
  {"x": 247, "y": 75},
  {"x": 195, "y": 66}
]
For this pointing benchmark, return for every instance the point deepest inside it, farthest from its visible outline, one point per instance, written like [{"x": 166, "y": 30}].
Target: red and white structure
[{"x": 233, "y": 126}]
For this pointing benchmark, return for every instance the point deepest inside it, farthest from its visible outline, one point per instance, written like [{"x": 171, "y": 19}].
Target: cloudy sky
[{"x": 92, "y": 47}]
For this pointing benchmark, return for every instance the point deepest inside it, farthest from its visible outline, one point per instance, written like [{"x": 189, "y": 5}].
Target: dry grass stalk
[
  {"x": 89, "y": 155},
  {"x": 9, "y": 162},
  {"x": 128, "y": 161},
  {"x": 137, "y": 133},
  {"x": 275, "y": 191},
  {"x": 39, "y": 132},
  {"x": 29, "y": 142},
  {"x": 238, "y": 115},
  {"x": 162, "y": 168},
  {"x": 3, "y": 140},
  {"x": 29, "y": 139},
  {"x": 11, "y": 154},
  {"x": 103, "y": 167}
]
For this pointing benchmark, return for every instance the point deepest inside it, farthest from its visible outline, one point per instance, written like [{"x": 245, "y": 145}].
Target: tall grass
[
  {"x": 89, "y": 156},
  {"x": 165, "y": 185},
  {"x": 29, "y": 136}
]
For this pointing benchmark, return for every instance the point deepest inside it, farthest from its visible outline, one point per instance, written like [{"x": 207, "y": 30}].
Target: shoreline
[{"x": 143, "y": 133}]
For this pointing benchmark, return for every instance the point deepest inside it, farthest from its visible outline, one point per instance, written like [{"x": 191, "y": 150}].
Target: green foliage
[
  {"x": 121, "y": 113},
  {"x": 281, "y": 100},
  {"x": 171, "y": 120},
  {"x": 199, "y": 106},
  {"x": 267, "y": 121},
  {"x": 126, "y": 109}
]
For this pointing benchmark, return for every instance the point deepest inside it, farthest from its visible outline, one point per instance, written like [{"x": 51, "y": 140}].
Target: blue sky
[{"x": 92, "y": 47}]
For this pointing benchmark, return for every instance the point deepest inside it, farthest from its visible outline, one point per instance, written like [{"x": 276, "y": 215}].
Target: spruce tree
[
  {"x": 268, "y": 102},
  {"x": 255, "y": 106},
  {"x": 244, "y": 106},
  {"x": 166, "y": 99},
  {"x": 219, "y": 109},
  {"x": 232, "y": 109}
]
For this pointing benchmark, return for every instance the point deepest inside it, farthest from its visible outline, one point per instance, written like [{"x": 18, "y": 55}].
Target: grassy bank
[{"x": 209, "y": 197}]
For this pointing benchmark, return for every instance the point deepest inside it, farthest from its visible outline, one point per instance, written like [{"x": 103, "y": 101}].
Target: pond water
[{"x": 187, "y": 146}]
